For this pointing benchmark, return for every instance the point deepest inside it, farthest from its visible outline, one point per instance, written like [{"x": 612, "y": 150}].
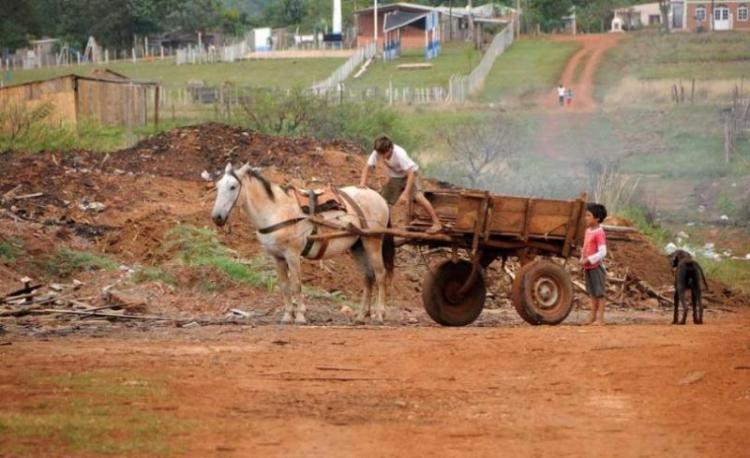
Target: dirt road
[
  {"x": 637, "y": 390},
  {"x": 579, "y": 76}
]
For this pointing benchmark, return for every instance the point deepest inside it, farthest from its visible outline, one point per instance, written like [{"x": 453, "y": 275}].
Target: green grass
[
  {"x": 650, "y": 55},
  {"x": 684, "y": 149},
  {"x": 526, "y": 69},
  {"x": 201, "y": 247},
  {"x": 455, "y": 58},
  {"x": 90, "y": 136},
  {"x": 279, "y": 73},
  {"x": 735, "y": 273},
  {"x": 67, "y": 262},
  {"x": 10, "y": 250},
  {"x": 640, "y": 217},
  {"x": 148, "y": 274},
  {"x": 95, "y": 413},
  {"x": 426, "y": 129}
]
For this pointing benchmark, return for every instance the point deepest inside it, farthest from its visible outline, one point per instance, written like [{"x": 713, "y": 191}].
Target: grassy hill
[{"x": 279, "y": 73}]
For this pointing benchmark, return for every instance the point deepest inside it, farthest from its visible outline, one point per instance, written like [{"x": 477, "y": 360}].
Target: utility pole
[
  {"x": 450, "y": 20},
  {"x": 518, "y": 19},
  {"x": 375, "y": 20}
]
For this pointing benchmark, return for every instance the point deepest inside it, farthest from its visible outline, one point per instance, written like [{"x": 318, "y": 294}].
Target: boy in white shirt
[
  {"x": 561, "y": 94},
  {"x": 403, "y": 180}
]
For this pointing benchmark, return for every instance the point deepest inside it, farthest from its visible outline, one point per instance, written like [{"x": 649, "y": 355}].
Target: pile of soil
[{"x": 124, "y": 205}]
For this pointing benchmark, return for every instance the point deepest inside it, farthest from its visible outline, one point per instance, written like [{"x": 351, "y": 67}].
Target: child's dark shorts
[
  {"x": 596, "y": 281},
  {"x": 395, "y": 186}
]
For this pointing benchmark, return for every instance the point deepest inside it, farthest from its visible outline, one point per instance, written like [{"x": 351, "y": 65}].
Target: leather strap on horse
[
  {"x": 281, "y": 225},
  {"x": 309, "y": 244},
  {"x": 356, "y": 207}
]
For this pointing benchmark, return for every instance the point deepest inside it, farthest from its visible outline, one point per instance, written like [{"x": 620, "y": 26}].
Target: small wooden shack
[{"x": 105, "y": 97}]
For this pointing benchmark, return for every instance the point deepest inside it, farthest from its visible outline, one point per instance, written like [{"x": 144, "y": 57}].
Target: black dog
[{"x": 688, "y": 274}]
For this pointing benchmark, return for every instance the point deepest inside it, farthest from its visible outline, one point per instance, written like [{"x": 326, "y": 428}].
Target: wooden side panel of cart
[{"x": 509, "y": 217}]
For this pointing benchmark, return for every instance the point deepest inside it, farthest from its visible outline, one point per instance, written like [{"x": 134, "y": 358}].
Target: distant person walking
[
  {"x": 561, "y": 94},
  {"x": 569, "y": 96}
]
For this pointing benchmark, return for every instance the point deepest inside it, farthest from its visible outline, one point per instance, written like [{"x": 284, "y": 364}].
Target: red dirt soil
[{"x": 636, "y": 390}]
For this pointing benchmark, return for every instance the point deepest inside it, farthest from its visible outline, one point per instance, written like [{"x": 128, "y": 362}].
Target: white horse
[{"x": 284, "y": 230}]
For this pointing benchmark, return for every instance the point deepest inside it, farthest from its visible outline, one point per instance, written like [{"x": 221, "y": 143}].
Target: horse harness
[{"x": 312, "y": 208}]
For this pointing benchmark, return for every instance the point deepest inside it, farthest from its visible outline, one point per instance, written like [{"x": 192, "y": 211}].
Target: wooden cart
[{"x": 491, "y": 227}]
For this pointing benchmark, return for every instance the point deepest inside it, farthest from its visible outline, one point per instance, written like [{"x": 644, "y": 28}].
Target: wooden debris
[
  {"x": 103, "y": 314},
  {"x": 29, "y": 196}
]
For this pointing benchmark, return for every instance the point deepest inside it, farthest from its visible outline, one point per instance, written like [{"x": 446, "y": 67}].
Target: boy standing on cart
[{"x": 403, "y": 180}]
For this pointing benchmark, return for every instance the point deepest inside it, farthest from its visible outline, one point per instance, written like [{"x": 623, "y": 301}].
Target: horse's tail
[{"x": 389, "y": 251}]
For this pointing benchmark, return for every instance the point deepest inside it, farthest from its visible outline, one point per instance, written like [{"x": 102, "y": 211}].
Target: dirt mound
[
  {"x": 184, "y": 153},
  {"x": 126, "y": 204}
]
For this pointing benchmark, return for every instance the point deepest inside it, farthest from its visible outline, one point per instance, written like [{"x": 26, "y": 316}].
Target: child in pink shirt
[{"x": 592, "y": 254}]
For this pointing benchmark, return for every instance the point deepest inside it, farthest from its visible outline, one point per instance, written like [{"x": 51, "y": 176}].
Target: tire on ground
[{"x": 440, "y": 298}]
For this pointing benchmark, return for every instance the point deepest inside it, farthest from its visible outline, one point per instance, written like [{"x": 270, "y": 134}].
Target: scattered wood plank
[
  {"x": 416, "y": 66},
  {"x": 103, "y": 314},
  {"x": 29, "y": 196},
  {"x": 25, "y": 290}
]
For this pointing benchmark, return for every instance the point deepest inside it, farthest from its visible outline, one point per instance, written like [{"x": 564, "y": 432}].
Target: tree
[
  {"x": 484, "y": 150},
  {"x": 286, "y": 13},
  {"x": 664, "y": 6},
  {"x": 17, "y": 23}
]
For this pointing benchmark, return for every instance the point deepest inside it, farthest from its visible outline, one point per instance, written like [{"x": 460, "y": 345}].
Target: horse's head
[{"x": 228, "y": 190}]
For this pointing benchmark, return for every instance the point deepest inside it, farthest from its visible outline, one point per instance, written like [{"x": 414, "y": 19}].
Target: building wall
[
  {"x": 112, "y": 103},
  {"x": 75, "y": 99},
  {"x": 60, "y": 92},
  {"x": 411, "y": 37},
  {"x": 693, "y": 25}
]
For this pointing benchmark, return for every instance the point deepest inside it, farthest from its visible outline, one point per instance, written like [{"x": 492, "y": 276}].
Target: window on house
[
  {"x": 654, "y": 19},
  {"x": 742, "y": 13},
  {"x": 700, "y": 13}
]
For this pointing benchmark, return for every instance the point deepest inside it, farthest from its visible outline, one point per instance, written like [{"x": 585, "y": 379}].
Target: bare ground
[{"x": 635, "y": 390}]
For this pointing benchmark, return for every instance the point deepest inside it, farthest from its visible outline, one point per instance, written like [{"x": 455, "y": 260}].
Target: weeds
[
  {"x": 645, "y": 221},
  {"x": 201, "y": 247},
  {"x": 154, "y": 274},
  {"x": 67, "y": 262},
  {"x": 609, "y": 186},
  {"x": 10, "y": 250}
]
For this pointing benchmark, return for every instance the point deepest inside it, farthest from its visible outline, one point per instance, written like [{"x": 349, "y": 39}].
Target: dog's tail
[{"x": 703, "y": 276}]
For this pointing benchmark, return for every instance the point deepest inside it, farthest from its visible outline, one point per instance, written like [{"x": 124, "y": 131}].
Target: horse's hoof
[
  {"x": 359, "y": 321},
  {"x": 287, "y": 318},
  {"x": 300, "y": 319},
  {"x": 378, "y": 319}
]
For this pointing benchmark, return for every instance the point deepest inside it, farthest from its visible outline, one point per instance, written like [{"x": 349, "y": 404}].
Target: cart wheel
[
  {"x": 516, "y": 294},
  {"x": 545, "y": 293},
  {"x": 440, "y": 294}
]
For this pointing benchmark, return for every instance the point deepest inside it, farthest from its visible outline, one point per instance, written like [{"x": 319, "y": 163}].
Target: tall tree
[{"x": 17, "y": 23}]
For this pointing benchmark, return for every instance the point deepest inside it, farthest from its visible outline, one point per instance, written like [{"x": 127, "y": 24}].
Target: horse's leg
[
  {"x": 282, "y": 273},
  {"x": 295, "y": 287},
  {"x": 374, "y": 251},
  {"x": 358, "y": 252}
]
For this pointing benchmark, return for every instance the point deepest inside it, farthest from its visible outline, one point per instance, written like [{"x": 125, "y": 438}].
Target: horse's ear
[
  {"x": 244, "y": 169},
  {"x": 228, "y": 168}
]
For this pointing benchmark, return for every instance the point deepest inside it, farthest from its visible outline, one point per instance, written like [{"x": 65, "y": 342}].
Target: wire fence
[{"x": 462, "y": 87}]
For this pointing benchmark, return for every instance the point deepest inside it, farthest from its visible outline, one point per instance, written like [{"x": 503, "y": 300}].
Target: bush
[{"x": 299, "y": 113}]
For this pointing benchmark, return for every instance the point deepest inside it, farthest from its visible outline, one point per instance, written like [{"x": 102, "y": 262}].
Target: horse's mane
[{"x": 266, "y": 184}]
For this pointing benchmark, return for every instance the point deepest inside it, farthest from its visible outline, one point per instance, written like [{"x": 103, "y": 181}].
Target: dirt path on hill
[
  {"x": 637, "y": 390},
  {"x": 579, "y": 76}
]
